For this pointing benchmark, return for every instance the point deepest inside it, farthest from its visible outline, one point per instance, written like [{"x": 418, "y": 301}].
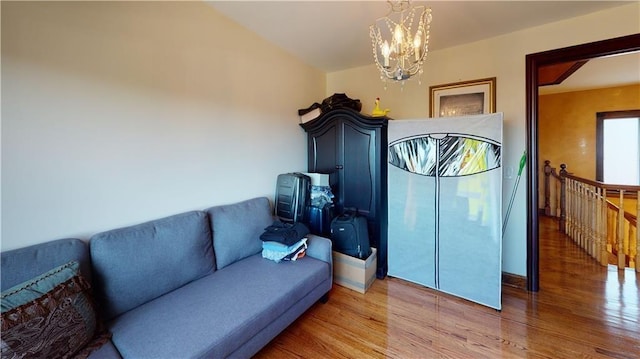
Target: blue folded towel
[{"x": 277, "y": 252}]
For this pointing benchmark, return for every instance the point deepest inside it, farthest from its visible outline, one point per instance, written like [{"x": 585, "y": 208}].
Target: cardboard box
[
  {"x": 354, "y": 273},
  {"x": 318, "y": 179}
]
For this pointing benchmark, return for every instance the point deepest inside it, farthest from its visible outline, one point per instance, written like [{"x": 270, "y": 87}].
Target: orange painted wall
[{"x": 567, "y": 127}]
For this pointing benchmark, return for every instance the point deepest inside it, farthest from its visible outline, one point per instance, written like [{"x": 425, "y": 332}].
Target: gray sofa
[{"x": 192, "y": 285}]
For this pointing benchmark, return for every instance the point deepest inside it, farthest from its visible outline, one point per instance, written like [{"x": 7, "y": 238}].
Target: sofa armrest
[
  {"x": 22, "y": 264},
  {"x": 320, "y": 248}
]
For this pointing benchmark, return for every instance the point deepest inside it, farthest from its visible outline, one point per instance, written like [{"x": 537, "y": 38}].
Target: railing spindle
[
  {"x": 592, "y": 222},
  {"x": 629, "y": 238},
  {"x": 569, "y": 207},
  {"x": 589, "y": 220},
  {"x": 637, "y": 233},
  {"x": 603, "y": 256},
  {"x": 613, "y": 229},
  {"x": 621, "y": 259},
  {"x": 582, "y": 219}
]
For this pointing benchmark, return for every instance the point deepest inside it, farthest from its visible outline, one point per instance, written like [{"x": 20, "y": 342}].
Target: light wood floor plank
[{"x": 583, "y": 310}]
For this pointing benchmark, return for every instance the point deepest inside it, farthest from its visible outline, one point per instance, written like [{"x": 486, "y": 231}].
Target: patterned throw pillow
[{"x": 59, "y": 323}]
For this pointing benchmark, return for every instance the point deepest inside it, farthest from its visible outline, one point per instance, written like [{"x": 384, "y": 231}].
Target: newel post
[
  {"x": 563, "y": 197},
  {"x": 547, "y": 188}
]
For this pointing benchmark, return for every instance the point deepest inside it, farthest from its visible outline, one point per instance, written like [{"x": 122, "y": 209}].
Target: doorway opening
[{"x": 616, "y": 46}]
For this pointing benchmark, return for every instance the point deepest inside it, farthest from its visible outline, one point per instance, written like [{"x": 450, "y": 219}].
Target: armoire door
[
  {"x": 357, "y": 155},
  {"x": 323, "y": 149}
]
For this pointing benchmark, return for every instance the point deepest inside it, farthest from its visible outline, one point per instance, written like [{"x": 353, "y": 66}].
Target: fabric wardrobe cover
[{"x": 445, "y": 205}]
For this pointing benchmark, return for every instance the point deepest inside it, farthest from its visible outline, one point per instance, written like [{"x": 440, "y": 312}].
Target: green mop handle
[{"x": 523, "y": 162}]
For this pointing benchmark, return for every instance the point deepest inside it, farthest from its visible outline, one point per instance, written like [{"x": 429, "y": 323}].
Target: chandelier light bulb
[
  {"x": 386, "y": 51},
  {"x": 397, "y": 38},
  {"x": 416, "y": 45}
]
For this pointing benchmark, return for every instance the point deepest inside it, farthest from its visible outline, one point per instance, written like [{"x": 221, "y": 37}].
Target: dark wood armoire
[{"x": 352, "y": 149}]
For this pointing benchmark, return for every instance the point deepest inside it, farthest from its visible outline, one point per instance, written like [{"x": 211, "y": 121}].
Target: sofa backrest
[
  {"x": 23, "y": 264},
  {"x": 237, "y": 228},
  {"x": 137, "y": 264}
]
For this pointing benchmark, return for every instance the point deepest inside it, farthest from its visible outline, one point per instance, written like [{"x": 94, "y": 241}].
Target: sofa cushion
[
  {"x": 136, "y": 264},
  {"x": 237, "y": 228},
  {"x": 51, "y": 315},
  {"x": 20, "y": 265},
  {"x": 222, "y": 311}
]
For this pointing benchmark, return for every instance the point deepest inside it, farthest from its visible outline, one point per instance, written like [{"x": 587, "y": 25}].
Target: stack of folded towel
[
  {"x": 281, "y": 252},
  {"x": 284, "y": 241}
]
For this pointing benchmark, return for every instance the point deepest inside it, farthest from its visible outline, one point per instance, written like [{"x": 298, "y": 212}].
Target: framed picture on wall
[{"x": 463, "y": 98}]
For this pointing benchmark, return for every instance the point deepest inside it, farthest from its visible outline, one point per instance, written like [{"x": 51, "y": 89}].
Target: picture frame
[{"x": 472, "y": 97}]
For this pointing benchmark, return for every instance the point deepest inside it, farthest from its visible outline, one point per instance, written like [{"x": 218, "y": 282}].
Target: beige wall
[
  {"x": 115, "y": 113},
  {"x": 567, "y": 125},
  {"x": 504, "y": 58}
]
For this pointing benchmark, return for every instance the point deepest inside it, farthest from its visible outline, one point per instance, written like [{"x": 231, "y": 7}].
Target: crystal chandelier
[{"x": 400, "y": 40}]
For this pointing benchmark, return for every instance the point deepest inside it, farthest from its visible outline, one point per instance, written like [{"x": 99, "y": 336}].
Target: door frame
[{"x": 609, "y": 47}]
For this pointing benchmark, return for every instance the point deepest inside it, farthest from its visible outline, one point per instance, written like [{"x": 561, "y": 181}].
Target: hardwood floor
[{"x": 583, "y": 310}]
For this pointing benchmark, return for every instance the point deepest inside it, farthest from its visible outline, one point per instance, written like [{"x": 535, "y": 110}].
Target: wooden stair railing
[
  {"x": 628, "y": 226},
  {"x": 589, "y": 217}
]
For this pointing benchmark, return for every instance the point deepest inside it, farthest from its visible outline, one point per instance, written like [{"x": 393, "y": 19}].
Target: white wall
[
  {"x": 504, "y": 58},
  {"x": 114, "y": 113}
]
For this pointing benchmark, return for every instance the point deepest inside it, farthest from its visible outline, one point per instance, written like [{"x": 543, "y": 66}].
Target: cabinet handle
[{"x": 339, "y": 167}]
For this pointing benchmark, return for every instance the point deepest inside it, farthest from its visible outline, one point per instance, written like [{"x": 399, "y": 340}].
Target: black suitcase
[
  {"x": 319, "y": 219},
  {"x": 292, "y": 196},
  {"x": 350, "y": 235}
]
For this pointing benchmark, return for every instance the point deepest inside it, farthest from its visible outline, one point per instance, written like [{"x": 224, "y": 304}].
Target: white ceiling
[{"x": 334, "y": 35}]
